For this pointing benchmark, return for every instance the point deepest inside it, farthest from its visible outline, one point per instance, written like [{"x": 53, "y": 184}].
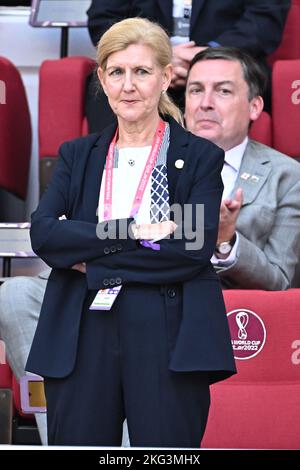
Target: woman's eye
[
  {"x": 141, "y": 71},
  {"x": 115, "y": 72}
]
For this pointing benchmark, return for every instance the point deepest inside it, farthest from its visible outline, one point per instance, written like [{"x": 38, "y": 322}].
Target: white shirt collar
[{"x": 233, "y": 157}]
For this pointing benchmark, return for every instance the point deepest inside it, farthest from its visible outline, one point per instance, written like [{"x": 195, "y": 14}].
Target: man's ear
[
  {"x": 256, "y": 107},
  {"x": 100, "y": 74}
]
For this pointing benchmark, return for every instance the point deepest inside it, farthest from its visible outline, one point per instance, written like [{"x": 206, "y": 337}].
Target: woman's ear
[
  {"x": 100, "y": 74},
  {"x": 167, "y": 76}
]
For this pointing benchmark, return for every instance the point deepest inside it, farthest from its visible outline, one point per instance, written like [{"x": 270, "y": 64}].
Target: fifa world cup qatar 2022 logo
[{"x": 248, "y": 333}]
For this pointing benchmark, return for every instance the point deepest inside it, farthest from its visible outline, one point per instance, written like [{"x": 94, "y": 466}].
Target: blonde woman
[{"x": 147, "y": 347}]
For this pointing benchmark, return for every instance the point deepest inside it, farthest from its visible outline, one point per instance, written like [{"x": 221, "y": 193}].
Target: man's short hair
[{"x": 254, "y": 74}]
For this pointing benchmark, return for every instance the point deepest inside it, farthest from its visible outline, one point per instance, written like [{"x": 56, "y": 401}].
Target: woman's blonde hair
[{"x": 140, "y": 31}]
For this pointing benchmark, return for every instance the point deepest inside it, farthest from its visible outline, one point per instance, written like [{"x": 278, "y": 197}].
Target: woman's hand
[
  {"x": 81, "y": 267},
  {"x": 154, "y": 231}
]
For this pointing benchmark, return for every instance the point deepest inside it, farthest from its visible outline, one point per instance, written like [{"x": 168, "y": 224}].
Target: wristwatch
[{"x": 225, "y": 248}]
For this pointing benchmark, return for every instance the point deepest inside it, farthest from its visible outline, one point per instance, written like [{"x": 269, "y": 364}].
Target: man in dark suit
[{"x": 255, "y": 26}]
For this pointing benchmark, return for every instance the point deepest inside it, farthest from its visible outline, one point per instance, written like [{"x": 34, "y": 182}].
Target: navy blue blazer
[
  {"x": 203, "y": 340},
  {"x": 254, "y": 25}
]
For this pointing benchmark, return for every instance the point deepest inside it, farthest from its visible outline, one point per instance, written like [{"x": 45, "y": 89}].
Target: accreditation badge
[{"x": 105, "y": 298}]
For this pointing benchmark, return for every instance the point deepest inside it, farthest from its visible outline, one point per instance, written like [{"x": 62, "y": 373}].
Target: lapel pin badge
[
  {"x": 254, "y": 178},
  {"x": 245, "y": 176},
  {"x": 179, "y": 164}
]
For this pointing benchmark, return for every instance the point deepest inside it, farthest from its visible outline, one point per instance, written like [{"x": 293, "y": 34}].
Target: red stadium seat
[
  {"x": 286, "y": 106},
  {"x": 261, "y": 130},
  {"x": 6, "y": 403},
  {"x": 5, "y": 376},
  {"x": 61, "y": 107},
  {"x": 15, "y": 131},
  {"x": 289, "y": 47},
  {"x": 259, "y": 407},
  {"x": 61, "y": 101},
  {"x": 5, "y": 371}
]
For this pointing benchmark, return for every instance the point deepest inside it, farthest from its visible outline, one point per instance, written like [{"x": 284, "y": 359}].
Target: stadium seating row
[{"x": 61, "y": 116}]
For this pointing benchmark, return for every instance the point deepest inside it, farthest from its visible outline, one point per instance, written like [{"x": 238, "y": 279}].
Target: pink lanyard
[{"x": 158, "y": 138}]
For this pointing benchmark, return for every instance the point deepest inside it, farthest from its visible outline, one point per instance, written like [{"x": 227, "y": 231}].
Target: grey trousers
[{"x": 20, "y": 305}]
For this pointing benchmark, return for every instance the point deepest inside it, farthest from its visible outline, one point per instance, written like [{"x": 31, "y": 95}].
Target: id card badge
[
  {"x": 32, "y": 394},
  {"x": 105, "y": 298}
]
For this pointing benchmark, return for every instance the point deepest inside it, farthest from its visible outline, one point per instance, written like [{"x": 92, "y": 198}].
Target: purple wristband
[{"x": 152, "y": 245}]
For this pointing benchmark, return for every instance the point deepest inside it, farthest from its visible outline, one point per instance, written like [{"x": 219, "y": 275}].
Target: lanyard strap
[{"x": 108, "y": 184}]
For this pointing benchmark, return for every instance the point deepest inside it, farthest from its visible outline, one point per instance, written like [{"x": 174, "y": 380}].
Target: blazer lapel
[
  {"x": 253, "y": 173},
  {"x": 176, "y": 152},
  {"x": 94, "y": 171}
]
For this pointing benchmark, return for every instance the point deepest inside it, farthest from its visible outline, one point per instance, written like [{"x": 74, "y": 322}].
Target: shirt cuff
[
  {"x": 213, "y": 44},
  {"x": 231, "y": 258}
]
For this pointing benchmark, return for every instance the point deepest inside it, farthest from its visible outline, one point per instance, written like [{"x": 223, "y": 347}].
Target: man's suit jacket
[
  {"x": 253, "y": 25},
  {"x": 203, "y": 340},
  {"x": 269, "y": 221}
]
